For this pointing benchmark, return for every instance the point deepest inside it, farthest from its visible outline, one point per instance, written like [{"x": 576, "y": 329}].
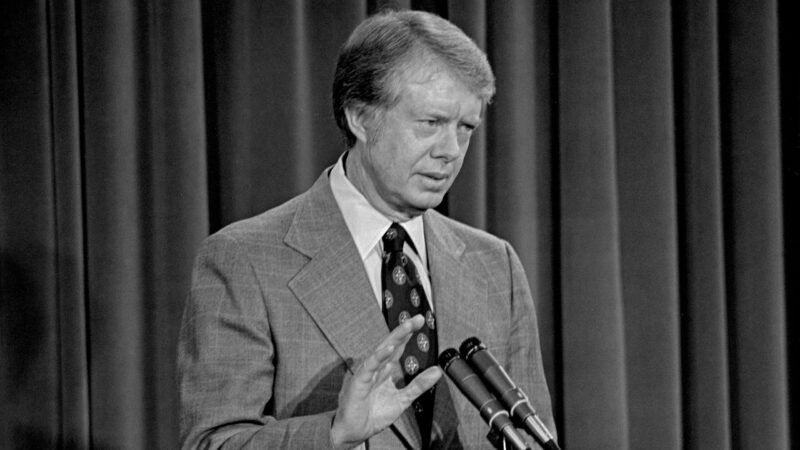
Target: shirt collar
[{"x": 367, "y": 224}]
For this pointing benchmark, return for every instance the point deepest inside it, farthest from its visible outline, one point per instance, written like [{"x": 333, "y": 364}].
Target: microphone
[
  {"x": 472, "y": 387},
  {"x": 496, "y": 377}
]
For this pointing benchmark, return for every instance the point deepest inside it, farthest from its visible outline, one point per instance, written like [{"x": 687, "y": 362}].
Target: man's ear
[{"x": 357, "y": 118}]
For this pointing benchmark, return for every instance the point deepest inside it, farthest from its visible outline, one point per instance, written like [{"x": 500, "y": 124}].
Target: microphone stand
[
  {"x": 498, "y": 441},
  {"x": 535, "y": 427}
]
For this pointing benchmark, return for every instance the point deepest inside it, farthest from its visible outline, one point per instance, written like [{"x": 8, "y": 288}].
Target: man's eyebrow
[
  {"x": 438, "y": 113},
  {"x": 431, "y": 114}
]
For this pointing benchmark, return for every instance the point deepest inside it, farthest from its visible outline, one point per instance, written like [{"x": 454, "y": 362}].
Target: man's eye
[
  {"x": 430, "y": 123},
  {"x": 466, "y": 128}
]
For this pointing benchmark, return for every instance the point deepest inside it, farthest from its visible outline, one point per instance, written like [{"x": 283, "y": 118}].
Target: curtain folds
[
  {"x": 70, "y": 302},
  {"x": 144, "y": 206},
  {"x": 640, "y": 155},
  {"x": 703, "y": 293}
]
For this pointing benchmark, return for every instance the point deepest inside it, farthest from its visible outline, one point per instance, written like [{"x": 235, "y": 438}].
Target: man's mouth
[{"x": 437, "y": 176}]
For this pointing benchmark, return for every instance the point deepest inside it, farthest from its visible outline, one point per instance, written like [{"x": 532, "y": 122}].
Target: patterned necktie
[{"x": 403, "y": 298}]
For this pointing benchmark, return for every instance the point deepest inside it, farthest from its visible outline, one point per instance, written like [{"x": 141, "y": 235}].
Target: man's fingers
[
  {"x": 391, "y": 348},
  {"x": 374, "y": 361},
  {"x": 422, "y": 382},
  {"x": 402, "y": 332},
  {"x": 398, "y": 352},
  {"x": 390, "y": 370}
]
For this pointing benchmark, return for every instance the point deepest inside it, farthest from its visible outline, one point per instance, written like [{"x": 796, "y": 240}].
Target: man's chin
[{"x": 428, "y": 201}]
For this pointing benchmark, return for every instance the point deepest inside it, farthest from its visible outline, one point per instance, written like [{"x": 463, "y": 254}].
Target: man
[{"x": 289, "y": 339}]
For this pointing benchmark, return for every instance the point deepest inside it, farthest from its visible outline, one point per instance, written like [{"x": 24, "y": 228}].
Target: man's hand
[{"x": 370, "y": 401}]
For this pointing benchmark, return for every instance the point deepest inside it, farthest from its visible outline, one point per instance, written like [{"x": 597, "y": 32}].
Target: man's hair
[{"x": 385, "y": 45}]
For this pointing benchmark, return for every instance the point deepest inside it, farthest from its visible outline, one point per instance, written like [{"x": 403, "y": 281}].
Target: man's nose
[{"x": 448, "y": 146}]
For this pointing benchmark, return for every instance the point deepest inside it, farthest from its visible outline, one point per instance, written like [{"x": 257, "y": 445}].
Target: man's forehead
[
  {"x": 422, "y": 70},
  {"x": 423, "y": 75}
]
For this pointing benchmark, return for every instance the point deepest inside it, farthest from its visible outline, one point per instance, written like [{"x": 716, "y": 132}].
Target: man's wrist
[{"x": 338, "y": 441}]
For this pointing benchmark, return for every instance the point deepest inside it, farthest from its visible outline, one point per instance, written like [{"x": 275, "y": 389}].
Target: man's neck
[{"x": 356, "y": 174}]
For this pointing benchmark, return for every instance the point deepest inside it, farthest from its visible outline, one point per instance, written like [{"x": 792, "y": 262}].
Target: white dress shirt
[{"x": 367, "y": 226}]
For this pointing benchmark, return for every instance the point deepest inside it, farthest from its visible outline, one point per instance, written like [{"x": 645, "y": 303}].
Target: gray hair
[{"x": 384, "y": 45}]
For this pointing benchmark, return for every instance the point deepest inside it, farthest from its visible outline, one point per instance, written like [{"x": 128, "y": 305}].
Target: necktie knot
[{"x": 394, "y": 238}]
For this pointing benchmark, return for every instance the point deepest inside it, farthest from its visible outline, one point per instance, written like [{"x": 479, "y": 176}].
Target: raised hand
[{"x": 370, "y": 400}]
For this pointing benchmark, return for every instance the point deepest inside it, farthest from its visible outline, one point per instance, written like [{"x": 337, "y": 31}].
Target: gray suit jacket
[{"x": 281, "y": 312}]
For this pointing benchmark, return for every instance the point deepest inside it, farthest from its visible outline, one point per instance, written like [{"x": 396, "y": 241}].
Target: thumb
[{"x": 421, "y": 383}]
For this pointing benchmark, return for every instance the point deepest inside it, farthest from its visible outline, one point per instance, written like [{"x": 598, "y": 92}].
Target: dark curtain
[{"x": 640, "y": 155}]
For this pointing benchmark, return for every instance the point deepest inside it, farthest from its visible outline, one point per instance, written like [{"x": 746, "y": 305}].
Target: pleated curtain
[{"x": 640, "y": 155}]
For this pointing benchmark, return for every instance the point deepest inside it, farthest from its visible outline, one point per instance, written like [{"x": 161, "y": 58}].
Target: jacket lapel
[
  {"x": 334, "y": 288},
  {"x": 460, "y": 292},
  {"x": 458, "y": 281}
]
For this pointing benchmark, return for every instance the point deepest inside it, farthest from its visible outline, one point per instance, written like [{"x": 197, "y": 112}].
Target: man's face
[{"x": 415, "y": 148}]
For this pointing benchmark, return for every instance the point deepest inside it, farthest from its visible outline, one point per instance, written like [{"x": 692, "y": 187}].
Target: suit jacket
[{"x": 281, "y": 312}]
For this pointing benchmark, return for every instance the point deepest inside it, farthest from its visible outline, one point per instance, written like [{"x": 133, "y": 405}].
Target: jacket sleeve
[
  {"x": 524, "y": 350},
  {"x": 225, "y": 361}
]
